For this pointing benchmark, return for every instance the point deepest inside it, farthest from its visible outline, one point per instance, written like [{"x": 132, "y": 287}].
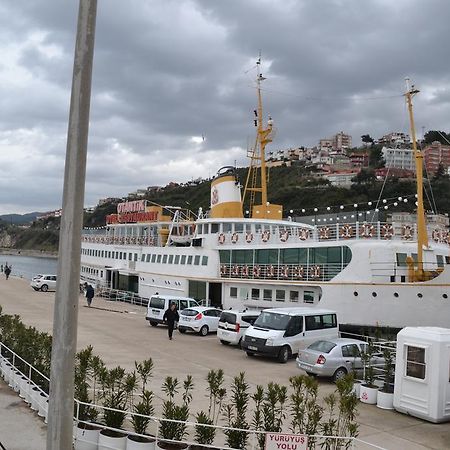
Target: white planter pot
[
  {"x": 134, "y": 445},
  {"x": 109, "y": 443},
  {"x": 385, "y": 400},
  {"x": 356, "y": 388},
  {"x": 86, "y": 439},
  {"x": 35, "y": 398},
  {"x": 27, "y": 398},
  {"x": 6, "y": 368},
  {"x": 43, "y": 405},
  {"x": 23, "y": 386},
  {"x": 17, "y": 380},
  {"x": 368, "y": 394},
  {"x": 12, "y": 378}
]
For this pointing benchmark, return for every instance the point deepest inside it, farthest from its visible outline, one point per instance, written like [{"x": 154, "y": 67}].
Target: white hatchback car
[
  {"x": 200, "y": 319},
  {"x": 44, "y": 283},
  {"x": 233, "y": 325}
]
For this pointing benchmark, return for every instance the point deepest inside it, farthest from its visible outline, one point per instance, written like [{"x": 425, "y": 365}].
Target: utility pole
[{"x": 65, "y": 317}]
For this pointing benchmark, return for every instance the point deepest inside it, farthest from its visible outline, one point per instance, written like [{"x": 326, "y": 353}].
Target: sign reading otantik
[{"x": 281, "y": 441}]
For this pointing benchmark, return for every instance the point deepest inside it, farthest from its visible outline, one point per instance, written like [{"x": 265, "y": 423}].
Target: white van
[
  {"x": 158, "y": 305},
  {"x": 282, "y": 332}
]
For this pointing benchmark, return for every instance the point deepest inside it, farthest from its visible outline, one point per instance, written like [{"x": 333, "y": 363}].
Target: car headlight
[{"x": 269, "y": 342}]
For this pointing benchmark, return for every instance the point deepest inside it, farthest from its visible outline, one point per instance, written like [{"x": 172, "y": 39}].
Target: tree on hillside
[
  {"x": 434, "y": 135},
  {"x": 364, "y": 177},
  {"x": 440, "y": 173},
  {"x": 376, "y": 159},
  {"x": 366, "y": 139}
]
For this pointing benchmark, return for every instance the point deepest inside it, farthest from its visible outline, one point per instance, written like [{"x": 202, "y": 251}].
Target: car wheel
[
  {"x": 224, "y": 342},
  {"x": 284, "y": 355},
  {"x": 153, "y": 324},
  {"x": 250, "y": 354},
  {"x": 339, "y": 374},
  {"x": 204, "y": 330},
  {"x": 44, "y": 288},
  {"x": 181, "y": 330}
]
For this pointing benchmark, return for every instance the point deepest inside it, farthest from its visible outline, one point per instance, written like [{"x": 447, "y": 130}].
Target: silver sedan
[{"x": 334, "y": 357}]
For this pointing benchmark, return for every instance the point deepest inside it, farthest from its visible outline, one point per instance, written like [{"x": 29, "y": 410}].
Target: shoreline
[{"x": 28, "y": 252}]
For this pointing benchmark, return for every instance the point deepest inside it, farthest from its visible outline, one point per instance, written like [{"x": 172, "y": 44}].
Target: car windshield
[
  {"x": 189, "y": 312},
  {"x": 322, "y": 346},
  {"x": 272, "y": 321}
]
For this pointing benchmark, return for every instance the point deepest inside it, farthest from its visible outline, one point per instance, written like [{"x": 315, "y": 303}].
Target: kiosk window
[{"x": 415, "y": 362}]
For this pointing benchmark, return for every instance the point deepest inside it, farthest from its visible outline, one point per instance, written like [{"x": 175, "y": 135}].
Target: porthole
[
  {"x": 419, "y": 295},
  {"x": 374, "y": 294},
  {"x": 444, "y": 296},
  {"x": 355, "y": 294},
  {"x": 396, "y": 294}
]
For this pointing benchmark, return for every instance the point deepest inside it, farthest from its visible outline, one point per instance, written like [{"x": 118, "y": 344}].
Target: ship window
[
  {"x": 401, "y": 259},
  {"x": 440, "y": 260},
  {"x": 267, "y": 295},
  {"x": 135, "y": 257},
  {"x": 177, "y": 259},
  {"x": 255, "y": 294},
  {"x": 117, "y": 255},
  {"x": 170, "y": 259},
  {"x": 196, "y": 260},
  {"x": 225, "y": 256},
  {"x": 158, "y": 259},
  {"x": 447, "y": 260},
  {"x": 233, "y": 292},
  {"x": 153, "y": 258},
  {"x": 257, "y": 227},
  {"x": 142, "y": 257},
  {"x": 164, "y": 260},
  {"x": 267, "y": 256},
  {"x": 293, "y": 296},
  {"x": 130, "y": 256},
  {"x": 205, "y": 228},
  {"x": 415, "y": 362},
  {"x": 147, "y": 259},
  {"x": 226, "y": 227},
  {"x": 189, "y": 260},
  {"x": 214, "y": 228},
  {"x": 308, "y": 297},
  {"x": 280, "y": 295},
  {"x": 242, "y": 257},
  {"x": 289, "y": 256},
  {"x": 120, "y": 255},
  {"x": 239, "y": 227},
  {"x": 199, "y": 229},
  {"x": 204, "y": 260},
  {"x": 183, "y": 259}
]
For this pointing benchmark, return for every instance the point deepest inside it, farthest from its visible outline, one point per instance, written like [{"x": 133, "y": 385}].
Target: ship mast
[
  {"x": 422, "y": 237},
  {"x": 264, "y": 135}
]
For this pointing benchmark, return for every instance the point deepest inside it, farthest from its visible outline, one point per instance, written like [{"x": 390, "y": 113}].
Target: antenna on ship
[
  {"x": 264, "y": 135},
  {"x": 422, "y": 237}
]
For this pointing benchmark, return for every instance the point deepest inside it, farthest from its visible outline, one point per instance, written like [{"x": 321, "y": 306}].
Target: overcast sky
[{"x": 167, "y": 72}]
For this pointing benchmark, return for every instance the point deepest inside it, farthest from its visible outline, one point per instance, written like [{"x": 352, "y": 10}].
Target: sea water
[{"x": 29, "y": 266}]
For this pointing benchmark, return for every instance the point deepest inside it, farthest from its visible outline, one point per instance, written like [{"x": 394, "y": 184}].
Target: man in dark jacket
[
  {"x": 171, "y": 316},
  {"x": 89, "y": 294}
]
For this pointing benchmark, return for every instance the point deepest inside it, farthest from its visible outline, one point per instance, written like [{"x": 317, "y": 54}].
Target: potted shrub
[
  {"x": 175, "y": 431},
  {"x": 143, "y": 409},
  {"x": 385, "y": 399},
  {"x": 236, "y": 412},
  {"x": 369, "y": 390},
  {"x": 114, "y": 396},
  {"x": 205, "y": 434}
]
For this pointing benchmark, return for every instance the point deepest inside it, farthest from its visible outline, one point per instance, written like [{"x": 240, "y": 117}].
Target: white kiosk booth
[{"x": 422, "y": 373}]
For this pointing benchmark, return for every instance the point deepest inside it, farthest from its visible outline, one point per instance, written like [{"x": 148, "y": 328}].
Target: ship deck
[{"x": 120, "y": 334}]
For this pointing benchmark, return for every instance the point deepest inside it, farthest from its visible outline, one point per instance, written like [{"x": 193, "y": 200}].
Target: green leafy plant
[
  {"x": 236, "y": 412},
  {"x": 83, "y": 361},
  {"x": 388, "y": 375},
  {"x": 369, "y": 374}
]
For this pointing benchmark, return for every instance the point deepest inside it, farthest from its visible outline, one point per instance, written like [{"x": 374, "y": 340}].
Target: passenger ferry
[{"x": 392, "y": 274}]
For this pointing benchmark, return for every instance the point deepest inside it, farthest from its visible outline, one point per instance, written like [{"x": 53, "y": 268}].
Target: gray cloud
[{"x": 168, "y": 70}]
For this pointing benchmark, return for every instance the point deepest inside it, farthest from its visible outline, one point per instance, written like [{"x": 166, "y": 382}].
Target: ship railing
[
  {"x": 281, "y": 272},
  {"x": 21, "y": 376},
  {"x": 333, "y": 232},
  {"x": 394, "y": 273},
  {"x": 117, "y": 295},
  {"x": 121, "y": 240}
]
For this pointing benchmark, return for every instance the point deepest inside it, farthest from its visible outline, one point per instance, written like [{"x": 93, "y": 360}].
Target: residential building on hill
[
  {"x": 339, "y": 142},
  {"x": 395, "y": 139},
  {"x": 399, "y": 158},
  {"x": 436, "y": 154}
]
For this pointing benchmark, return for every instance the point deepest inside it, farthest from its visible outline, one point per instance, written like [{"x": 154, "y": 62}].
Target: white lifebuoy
[
  {"x": 299, "y": 272},
  {"x": 303, "y": 234},
  {"x": 223, "y": 269},
  {"x": 235, "y": 270},
  {"x": 346, "y": 231},
  {"x": 265, "y": 235},
  {"x": 221, "y": 239},
  {"x": 285, "y": 272},
  {"x": 270, "y": 271},
  {"x": 366, "y": 230},
  {"x": 284, "y": 235},
  {"x": 407, "y": 232},
  {"x": 387, "y": 231},
  {"x": 436, "y": 234},
  {"x": 256, "y": 271},
  {"x": 244, "y": 271},
  {"x": 315, "y": 271},
  {"x": 248, "y": 238},
  {"x": 324, "y": 233},
  {"x": 234, "y": 238}
]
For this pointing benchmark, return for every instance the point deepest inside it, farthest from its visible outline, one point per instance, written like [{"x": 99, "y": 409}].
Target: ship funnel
[{"x": 226, "y": 199}]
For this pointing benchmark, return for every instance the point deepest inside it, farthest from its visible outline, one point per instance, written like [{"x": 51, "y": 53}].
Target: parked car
[
  {"x": 158, "y": 305},
  {"x": 281, "y": 332},
  {"x": 200, "y": 319},
  {"x": 44, "y": 283},
  {"x": 234, "y": 324},
  {"x": 335, "y": 357}
]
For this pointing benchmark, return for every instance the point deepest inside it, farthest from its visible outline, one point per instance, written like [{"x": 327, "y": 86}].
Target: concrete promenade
[{"x": 120, "y": 334}]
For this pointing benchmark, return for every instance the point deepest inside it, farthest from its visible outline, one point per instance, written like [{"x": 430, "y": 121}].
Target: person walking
[
  {"x": 171, "y": 316},
  {"x": 89, "y": 294},
  {"x": 7, "y": 271}
]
